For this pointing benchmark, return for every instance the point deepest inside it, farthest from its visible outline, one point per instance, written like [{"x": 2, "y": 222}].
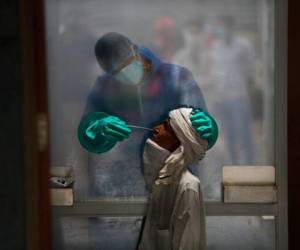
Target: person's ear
[{"x": 134, "y": 50}]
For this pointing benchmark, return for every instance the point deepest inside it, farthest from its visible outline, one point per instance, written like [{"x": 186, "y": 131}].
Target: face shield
[{"x": 130, "y": 72}]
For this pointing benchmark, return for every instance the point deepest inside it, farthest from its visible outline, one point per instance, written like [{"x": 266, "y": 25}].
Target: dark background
[
  {"x": 12, "y": 184},
  {"x": 12, "y": 204},
  {"x": 293, "y": 126}
]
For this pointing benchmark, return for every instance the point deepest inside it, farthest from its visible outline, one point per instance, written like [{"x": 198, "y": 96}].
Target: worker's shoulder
[
  {"x": 100, "y": 88},
  {"x": 102, "y": 82},
  {"x": 174, "y": 70},
  {"x": 102, "y": 79},
  {"x": 189, "y": 182}
]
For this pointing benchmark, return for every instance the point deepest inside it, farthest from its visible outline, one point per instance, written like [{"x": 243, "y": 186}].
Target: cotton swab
[{"x": 139, "y": 127}]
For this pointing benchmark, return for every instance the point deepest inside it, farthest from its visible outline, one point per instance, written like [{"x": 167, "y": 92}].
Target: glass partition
[{"x": 227, "y": 48}]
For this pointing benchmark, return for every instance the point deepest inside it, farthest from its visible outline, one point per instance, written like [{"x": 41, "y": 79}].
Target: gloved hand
[
  {"x": 99, "y": 132},
  {"x": 111, "y": 128},
  {"x": 205, "y": 125}
]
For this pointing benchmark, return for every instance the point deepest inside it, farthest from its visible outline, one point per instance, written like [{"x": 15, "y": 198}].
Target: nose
[{"x": 156, "y": 130}]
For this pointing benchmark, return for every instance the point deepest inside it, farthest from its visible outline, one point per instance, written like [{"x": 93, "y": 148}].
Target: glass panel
[
  {"x": 229, "y": 50},
  {"x": 234, "y": 233},
  {"x": 96, "y": 233},
  {"x": 227, "y": 47}
]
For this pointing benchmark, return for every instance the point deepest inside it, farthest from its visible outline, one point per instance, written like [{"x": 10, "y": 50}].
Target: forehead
[{"x": 165, "y": 123}]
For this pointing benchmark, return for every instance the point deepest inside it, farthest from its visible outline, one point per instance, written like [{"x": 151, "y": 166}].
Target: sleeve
[
  {"x": 189, "y": 223},
  {"x": 191, "y": 96},
  {"x": 190, "y": 92},
  {"x": 95, "y": 100}
]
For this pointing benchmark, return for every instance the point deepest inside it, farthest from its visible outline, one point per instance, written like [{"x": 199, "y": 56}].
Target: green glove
[
  {"x": 205, "y": 125},
  {"x": 98, "y": 132}
]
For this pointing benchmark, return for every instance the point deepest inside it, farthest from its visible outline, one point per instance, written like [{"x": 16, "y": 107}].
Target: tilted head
[{"x": 118, "y": 56}]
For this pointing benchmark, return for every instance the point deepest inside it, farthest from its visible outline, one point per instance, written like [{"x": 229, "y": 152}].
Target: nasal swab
[{"x": 139, "y": 127}]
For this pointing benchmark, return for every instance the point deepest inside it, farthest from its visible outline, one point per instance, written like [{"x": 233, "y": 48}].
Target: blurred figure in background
[
  {"x": 196, "y": 56},
  {"x": 195, "y": 53},
  {"x": 232, "y": 72},
  {"x": 167, "y": 38}
]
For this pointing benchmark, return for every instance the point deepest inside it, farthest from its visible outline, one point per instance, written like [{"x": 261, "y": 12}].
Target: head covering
[{"x": 112, "y": 49}]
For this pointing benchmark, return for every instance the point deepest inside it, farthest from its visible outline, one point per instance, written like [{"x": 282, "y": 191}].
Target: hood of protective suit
[{"x": 148, "y": 54}]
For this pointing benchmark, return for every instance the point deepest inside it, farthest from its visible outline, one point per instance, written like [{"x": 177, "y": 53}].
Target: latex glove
[
  {"x": 205, "y": 125},
  {"x": 111, "y": 128},
  {"x": 98, "y": 132}
]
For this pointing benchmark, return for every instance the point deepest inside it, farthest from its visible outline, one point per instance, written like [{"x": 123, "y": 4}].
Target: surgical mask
[{"x": 132, "y": 74}]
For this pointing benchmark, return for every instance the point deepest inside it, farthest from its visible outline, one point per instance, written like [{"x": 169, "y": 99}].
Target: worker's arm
[
  {"x": 98, "y": 131},
  {"x": 190, "y": 92},
  {"x": 191, "y": 96}
]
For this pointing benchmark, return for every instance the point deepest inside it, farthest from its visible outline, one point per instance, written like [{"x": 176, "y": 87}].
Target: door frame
[{"x": 35, "y": 125}]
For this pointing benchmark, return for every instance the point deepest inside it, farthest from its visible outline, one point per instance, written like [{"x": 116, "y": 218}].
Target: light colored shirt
[
  {"x": 176, "y": 217},
  {"x": 232, "y": 66}
]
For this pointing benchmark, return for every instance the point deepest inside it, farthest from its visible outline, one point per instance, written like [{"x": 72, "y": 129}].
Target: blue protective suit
[{"x": 167, "y": 87}]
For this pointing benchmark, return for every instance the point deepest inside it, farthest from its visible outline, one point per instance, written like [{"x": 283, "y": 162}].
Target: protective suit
[{"x": 175, "y": 217}]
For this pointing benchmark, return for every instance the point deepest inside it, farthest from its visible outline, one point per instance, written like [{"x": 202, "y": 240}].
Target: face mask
[{"x": 132, "y": 74}]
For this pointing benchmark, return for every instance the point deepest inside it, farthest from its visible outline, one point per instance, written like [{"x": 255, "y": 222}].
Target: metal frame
[
  {"x": 280, "y": 119},
  {"x": 117, "y": 207},
  {"x": 34, "y": 106}
]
